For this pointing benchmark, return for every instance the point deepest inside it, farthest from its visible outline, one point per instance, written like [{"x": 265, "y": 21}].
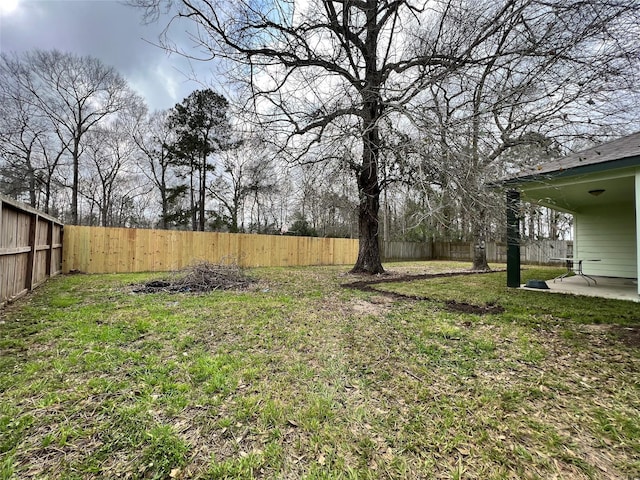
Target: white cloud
[
  {"x": 111, "y": 32},
  {"x": 7, "y": 7}
]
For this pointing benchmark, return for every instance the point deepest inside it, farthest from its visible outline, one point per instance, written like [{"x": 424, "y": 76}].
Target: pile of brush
[{"x": 198, "y": 278}]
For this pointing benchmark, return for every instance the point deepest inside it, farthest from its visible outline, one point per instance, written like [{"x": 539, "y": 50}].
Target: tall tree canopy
[{"x": 202, "y": 128}]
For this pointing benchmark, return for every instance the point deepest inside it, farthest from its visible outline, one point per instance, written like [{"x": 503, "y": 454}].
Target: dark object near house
[{"x": 537, "y": 284}]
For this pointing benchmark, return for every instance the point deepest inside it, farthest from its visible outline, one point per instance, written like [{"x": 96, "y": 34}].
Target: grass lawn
[{"x": 300, "y": 377}]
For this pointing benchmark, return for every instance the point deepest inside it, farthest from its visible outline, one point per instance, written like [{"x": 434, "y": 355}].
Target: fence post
[
  {"x": 31, "y": 259},
  {"x": 49, "y": 258}
]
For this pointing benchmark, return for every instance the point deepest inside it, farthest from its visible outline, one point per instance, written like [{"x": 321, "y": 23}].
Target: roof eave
[{"x": 574, "y": 171}]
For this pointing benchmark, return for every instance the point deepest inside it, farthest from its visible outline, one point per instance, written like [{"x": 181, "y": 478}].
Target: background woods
[{"x": 366, "y": 120}]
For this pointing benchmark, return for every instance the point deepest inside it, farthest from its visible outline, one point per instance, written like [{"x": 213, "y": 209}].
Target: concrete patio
[{"x": 606, "y": 287}]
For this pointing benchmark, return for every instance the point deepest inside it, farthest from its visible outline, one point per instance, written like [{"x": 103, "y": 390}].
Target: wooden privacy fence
[
  {"x": 30, "y": 248},
  {"x": 124, "y": 250},
  {"x": 531, "y": 252},
  {"x": 120, "y": 250}
]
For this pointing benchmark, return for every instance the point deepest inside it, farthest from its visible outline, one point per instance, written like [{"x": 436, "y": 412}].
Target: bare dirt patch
[
  {"x": 463, "y": 307},
  {"x": 601, "y": 334},
  {"x": 376, "y": 306},
  {"x": 366, "y": 285},
  {"x": 630, "y": 336}
]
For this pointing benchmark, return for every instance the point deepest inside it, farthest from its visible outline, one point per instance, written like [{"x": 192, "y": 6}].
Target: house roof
[{"x": 620, "y": 153}]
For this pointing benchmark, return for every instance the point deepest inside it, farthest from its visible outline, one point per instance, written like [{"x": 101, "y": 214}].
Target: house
[{"x": 600, "y": 187}]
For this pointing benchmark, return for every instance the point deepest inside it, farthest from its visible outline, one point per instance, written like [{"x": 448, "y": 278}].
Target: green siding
[{"x": 607, "y": 233}]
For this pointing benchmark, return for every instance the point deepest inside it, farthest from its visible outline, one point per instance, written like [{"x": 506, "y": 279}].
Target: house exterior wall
[{"x": 607, "y": 233}]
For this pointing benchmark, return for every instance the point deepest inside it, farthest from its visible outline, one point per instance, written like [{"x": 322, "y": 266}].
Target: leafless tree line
[
  {"x": 77, "y": 142},
  {"x": 359, "y": 118}
]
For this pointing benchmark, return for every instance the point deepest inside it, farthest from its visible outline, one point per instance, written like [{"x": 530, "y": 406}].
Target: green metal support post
[{"x": 513, "y": 239}]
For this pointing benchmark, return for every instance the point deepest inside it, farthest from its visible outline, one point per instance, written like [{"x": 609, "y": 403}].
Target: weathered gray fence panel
[
  {"x": 398, "y": 251},
  {"x": 30, "y": 248},
  {"x": 538, "y": 252}
]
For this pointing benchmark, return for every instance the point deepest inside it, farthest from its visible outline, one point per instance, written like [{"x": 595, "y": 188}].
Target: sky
[{"x": 113, "y": 33}]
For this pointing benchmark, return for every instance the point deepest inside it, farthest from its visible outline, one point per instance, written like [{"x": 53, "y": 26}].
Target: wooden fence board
[{"x": 30, "y": 248}]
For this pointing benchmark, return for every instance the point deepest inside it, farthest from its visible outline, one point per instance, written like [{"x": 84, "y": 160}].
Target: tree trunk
[
  {"x": 369, "y": 250},
  {"x": 233, "y": 228},
  {"x": 192, "y": 205},
  {"x": 47, "y": 194},
  {"x": 202, "y": 193},
  {"x": 33, "y": 198},
  {"x": 480, "y": 256},
  {"x": 165, "y": 208},
  {"x": 76, "y": 180},
  {"x": 479, "y": 244},
  {"x": 104, "y": 214},
  {"x": 369, "y": 188}
]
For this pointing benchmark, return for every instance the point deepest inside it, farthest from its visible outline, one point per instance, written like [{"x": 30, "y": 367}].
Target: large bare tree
[
  {"x": 111, "y": 179},
  {"x": 333, "y": 70},
  {"x": 154, "y": 137},
  {"x": 239, "y": 171},
  {"x": 76, "y": 94},
  {"x": 30, "y": 146}
]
